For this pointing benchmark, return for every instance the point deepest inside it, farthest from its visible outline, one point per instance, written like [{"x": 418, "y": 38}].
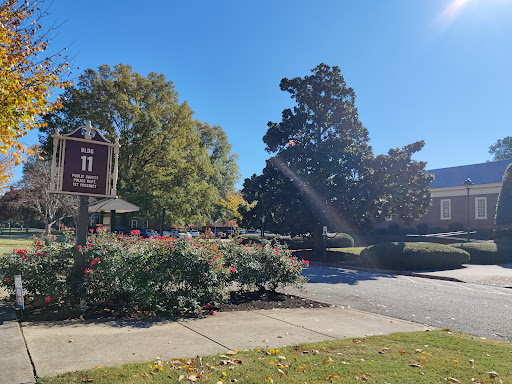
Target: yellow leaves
[{"x": 25, "y": 81}]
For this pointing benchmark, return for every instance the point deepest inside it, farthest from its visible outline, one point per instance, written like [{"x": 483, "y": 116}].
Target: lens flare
[{"x": 451, "y": 12}]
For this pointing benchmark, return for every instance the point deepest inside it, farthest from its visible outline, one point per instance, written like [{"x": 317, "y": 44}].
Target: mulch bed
[{"x": 238, "y": 301}]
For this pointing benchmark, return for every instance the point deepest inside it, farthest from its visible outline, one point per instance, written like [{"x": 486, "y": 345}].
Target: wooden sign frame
[{"x": 84, "y": 164}]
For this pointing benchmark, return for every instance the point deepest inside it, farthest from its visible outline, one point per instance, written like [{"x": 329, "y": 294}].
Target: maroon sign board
[
  {"x": 82, "y": 163},
  {"x": 85, "y": 168}
]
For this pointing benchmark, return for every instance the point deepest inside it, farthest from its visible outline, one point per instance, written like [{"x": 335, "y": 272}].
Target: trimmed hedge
[
  {"x": 487, "y": 253},
  {"x": 407, "y": 255},
  {"x": 297, "y": 242},
  {"x": 340, "y": 240}
]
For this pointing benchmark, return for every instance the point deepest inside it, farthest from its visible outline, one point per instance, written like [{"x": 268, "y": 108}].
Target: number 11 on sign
[{"x": 86, "y": 163}]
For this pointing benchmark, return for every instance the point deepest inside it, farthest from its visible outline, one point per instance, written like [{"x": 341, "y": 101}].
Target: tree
[
  {"x": 27, "y": 75},
  {"x": 166, "y": 158},
  {"x": 13, "y": 206},
  {"x": 6, "y": 167},
  {"x": 502, "y": 150},
  {"x": 34, "y": 195},
  {"x": 324, "y": 172},
  {"x": 504, "y": 206}
]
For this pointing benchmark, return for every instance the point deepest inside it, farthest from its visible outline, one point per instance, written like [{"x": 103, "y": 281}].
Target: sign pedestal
[{"x": 83, "y": 164}]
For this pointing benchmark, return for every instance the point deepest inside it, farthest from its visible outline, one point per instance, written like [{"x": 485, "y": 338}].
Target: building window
[
  {"x": 134, "y": 224},
  {"x": 388, "y": 218},
  {"x": 481, "y": 208},
  {"x": 446, "y": 209}
]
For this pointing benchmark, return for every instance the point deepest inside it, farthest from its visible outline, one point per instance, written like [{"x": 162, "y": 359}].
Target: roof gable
[{"x": 484, "y": 173}]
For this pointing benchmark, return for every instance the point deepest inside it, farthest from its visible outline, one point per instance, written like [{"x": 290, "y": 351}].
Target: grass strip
[
  {"x": 8, "y": 244},
  {"x": 416, "y": 357}
]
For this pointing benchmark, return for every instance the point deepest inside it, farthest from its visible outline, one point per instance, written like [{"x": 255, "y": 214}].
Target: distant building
[{"x": 449, "y": 206}]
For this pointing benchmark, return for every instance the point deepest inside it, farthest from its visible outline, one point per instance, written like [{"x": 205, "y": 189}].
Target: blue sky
[{"x": 437, "y": 70}]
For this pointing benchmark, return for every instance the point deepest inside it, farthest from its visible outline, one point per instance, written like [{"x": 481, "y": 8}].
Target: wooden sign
[{"x": 84, "y": 164}]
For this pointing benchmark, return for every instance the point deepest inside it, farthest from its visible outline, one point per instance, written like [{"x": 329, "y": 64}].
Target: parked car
[
  {"x": 195, "y": 233},
  {"x": 184, "y": 235},
  {"x": 121, "y": 230},
  {"x": 148, "y": 233}
]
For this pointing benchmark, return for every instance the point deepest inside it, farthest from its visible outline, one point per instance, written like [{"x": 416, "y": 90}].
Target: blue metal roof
[{"x": 484, "y": 173}]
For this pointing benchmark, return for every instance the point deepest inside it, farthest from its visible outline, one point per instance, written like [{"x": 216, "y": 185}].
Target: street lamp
[
  {"x": 468, "y": 184},
  {"x": 263, "y": 227}
]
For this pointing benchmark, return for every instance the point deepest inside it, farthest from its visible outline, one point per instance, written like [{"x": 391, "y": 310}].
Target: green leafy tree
[
  {"x": 166, "y": 158},
  {"x": 323, "y": 171},
  {"x": 504, "y": 206},
  {"x": 502, "y": 150}
]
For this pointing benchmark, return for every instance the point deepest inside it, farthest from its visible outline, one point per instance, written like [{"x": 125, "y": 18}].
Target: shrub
[
  {"x": 408, "y": 231},
  {"x": 340, "y": 240},
  {"x": 486, "y": 253},
  {"x": 455, "y": 227},
  {"x": 43, "y": 268},
  {"x": 394, "y": 228},
  {"x": 297, "y": 242},
  {"x": 406, "y": 255},
  {"x": 263, "y": 266},
  {"x": 422, "y": 228},
  {"x": 379, "y": 231},
  {"x": 161, "y": 274},
  {"x": 504, "y": 206}
]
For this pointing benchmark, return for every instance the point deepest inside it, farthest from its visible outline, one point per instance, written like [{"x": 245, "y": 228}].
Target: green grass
[
  {"x": 416, "y": 357},
  {"x": 351, "y": 250},
  {"x": 7, "y": 244}
]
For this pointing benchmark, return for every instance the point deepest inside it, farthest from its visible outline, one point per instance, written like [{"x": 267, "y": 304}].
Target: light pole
[
  {"x": 468, "y": 184},
  {"x": 263, "y": 227}
]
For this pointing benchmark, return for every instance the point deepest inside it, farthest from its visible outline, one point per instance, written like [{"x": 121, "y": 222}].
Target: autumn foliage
[{"x": 27, "y": 74}]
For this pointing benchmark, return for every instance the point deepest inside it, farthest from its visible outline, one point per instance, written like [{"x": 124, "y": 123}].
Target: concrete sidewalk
[
  {"x": 74, "y": 345},
  {"x": 15, "y": 365},
  {"x": 495, "y": 275}
]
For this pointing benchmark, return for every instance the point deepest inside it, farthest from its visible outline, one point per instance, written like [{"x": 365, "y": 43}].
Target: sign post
[
  {"x": 85, "y": 164},
  {"x": 20, "y": 304},
  {"x": 324, "y": 236}
]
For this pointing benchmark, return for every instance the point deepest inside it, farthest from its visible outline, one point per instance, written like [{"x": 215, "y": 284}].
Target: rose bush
[{"x": 156, "y": 274}]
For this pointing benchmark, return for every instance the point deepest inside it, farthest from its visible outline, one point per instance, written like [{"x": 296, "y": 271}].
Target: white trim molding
[{"x": 478, "y": 189}]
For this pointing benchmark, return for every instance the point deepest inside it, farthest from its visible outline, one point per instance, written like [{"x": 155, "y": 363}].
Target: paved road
[{"x": 476, "y": 309}]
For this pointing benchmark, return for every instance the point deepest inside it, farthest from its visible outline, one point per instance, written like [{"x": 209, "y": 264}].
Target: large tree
[
  {"x": 27, "y": 74},
  {"x": 166, "y": 158},
  {"x": 323, "y": 171},
  {"x": 502, "y": 150},
  {"x": 34, "y": 194},
  {"x": 504, "y": 206}
]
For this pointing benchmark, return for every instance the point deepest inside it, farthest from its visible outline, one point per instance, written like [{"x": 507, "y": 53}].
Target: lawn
[
  {"x": 416, "y": 357},
  {"x": 351, "y": 250},
  {"x": 7, "y": 244}
]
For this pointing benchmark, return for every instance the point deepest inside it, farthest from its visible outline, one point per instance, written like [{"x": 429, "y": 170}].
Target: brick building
[{"x": 449, "y": 205}]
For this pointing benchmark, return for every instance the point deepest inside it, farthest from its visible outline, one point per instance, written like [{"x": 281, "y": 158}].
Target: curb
[{"x": 388, "y": 271}]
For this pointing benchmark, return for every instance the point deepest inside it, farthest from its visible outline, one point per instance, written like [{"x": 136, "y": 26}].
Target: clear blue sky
[{"x": 438, "y": 70}]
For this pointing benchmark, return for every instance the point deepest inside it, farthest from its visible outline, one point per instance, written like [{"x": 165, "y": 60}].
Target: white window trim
[
  {"x": 388, "y": 218},
  {"x": 484, "y": 199},
  {"x": 449, "y": 209},
  {"x": 134, "y": 226}
]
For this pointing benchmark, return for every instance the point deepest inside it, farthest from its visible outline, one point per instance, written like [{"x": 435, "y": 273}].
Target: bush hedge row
[
  {"x": 161, "y": 274},
  {"x": 417, "y": 255},
  {"x": 487, "y": 253}
]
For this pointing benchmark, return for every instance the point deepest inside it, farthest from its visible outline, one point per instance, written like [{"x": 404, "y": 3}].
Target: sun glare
[{"x": 451, "y": 12}]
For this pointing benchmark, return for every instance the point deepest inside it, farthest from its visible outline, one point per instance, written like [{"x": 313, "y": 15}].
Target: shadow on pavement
[{"x": 332, "y": 275}]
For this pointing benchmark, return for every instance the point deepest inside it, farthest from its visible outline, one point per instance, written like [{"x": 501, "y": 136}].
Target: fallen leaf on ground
[
  {"x": 415, "y": 365},
  {"x": 492, "y": 374},
  {"x": 452, "y": 380}
]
